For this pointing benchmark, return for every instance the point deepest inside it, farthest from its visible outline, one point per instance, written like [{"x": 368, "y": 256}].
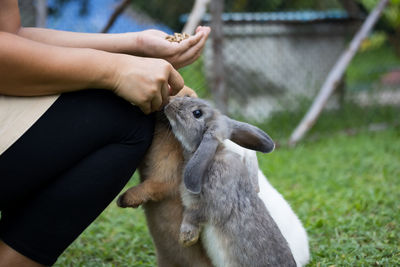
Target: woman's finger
[
  {"x": 145, "y": 107},
  {"x": 194, "y": 52},
  {"x": 156, "y": 102},
  {"x": 192, "y": 59},
  {"x": 165, "y": 94},
  {"x": 198, "y": 29},
  {"x": 175, "y": 80},
  {"x": 188, "y": 43}
]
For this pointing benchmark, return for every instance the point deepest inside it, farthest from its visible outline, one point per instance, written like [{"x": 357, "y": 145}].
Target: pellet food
[{"x": 177, "y": 37}]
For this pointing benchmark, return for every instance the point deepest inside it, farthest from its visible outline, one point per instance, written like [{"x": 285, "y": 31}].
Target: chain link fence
[{"x": 275, "y": 61}]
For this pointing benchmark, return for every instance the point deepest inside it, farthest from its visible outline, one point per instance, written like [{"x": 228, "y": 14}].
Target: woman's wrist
[
  {"x": 123, "y": 43},
  {"x": 106, "y": 70},
  {"x": 136, "y": 43}
]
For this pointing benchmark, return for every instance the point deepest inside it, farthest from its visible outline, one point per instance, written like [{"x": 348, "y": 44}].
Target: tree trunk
[
  {"x": 194, "y": 19},
  {"x": 218, "y": 85},
  {"x": 352, "y": 8},
  {"x": 117, "y": 12}
]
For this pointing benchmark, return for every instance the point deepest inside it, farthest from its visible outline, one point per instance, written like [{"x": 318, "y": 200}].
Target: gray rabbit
[{"x": 218, "y": 192}]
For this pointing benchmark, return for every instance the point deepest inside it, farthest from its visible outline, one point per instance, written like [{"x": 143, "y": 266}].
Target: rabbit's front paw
[
  {"x": 189, "y": 235},
  {"x": 130, "y": 200}
]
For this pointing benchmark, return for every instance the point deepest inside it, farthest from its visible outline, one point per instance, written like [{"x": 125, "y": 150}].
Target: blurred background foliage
[
  {"x": 168, "y": 13},
  {"x": 57, "y": 6}
]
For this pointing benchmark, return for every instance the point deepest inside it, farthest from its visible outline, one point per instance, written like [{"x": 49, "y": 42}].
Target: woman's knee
[
  {"x": 109, "y": 118},
  {"x": 140, "y": 130},
  {"x": 147, "y": 130}
]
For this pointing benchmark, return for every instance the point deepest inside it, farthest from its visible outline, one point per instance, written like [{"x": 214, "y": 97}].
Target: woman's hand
[
  {"x": 145, "y": 82},
  {"x": 152, "y": 43}
]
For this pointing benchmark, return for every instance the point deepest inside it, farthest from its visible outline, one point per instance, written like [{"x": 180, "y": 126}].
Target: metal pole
[
  {"x": 218, "y": 86},
  {"x": 41, "y": 13},
  {"x": 198, "y": 10}
]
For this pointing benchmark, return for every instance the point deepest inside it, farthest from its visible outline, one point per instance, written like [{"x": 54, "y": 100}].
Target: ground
[{"x": 342, "y": 181}]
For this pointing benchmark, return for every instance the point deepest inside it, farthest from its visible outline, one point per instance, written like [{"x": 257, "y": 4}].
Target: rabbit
[
  {"x": 160, "y": 174},
  {"x": 218, "y": 191},
  {"x": 287, "y": 221}
]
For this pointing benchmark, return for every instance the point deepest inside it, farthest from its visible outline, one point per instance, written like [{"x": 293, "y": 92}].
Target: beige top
[{"x": 18, "y": 114}]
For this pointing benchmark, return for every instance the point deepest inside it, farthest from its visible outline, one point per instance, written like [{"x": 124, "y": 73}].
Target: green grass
[
  {"x": 349, "y": 118},
  {"x": 194, "y": 77},
  {"x": 345, "y": 189},
  {"x": 367, "y": 67},
  {"x": 119, "y": 237}
]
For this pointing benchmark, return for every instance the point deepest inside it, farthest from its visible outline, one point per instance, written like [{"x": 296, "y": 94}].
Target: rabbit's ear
[
  {"x": 250, "y": 137},
  {"x": 198, "y": 164}
]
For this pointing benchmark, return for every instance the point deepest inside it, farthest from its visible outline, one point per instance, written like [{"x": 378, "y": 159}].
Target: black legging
[{"x": 65, "y": 170}]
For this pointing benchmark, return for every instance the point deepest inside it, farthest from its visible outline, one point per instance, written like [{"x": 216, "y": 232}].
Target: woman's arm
[
  {"x": 30, "y": 68},
  {"x": 116, "y": 43},
  {"x": 9, "y": 16},
  {"x": 10, "y": 22},
  {"x": 150, "y": 43}
]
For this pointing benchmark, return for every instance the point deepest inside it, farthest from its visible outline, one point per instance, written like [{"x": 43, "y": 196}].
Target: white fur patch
[
  {"x": 186, "y": 196},
  {"x": 183, "y": 141},
  {"x": 287, "y": 221},
  {"x": 179, "y": 135},
  {"x": 213, "y": 242}
]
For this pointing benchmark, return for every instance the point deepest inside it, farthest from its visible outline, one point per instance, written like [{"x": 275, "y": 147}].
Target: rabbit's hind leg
[{"x": 190, "y": 227}]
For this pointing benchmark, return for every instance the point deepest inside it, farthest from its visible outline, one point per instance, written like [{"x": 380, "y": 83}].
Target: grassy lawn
[
  {"x": 344, "y": 187},
  {"x": 346, "y": 191},
  {"x": 367, "y": 67}
]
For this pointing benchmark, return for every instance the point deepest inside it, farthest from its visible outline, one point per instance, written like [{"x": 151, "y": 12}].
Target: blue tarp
[
  {"x": 98, "y": 14},
  {"x": 290, "y": 16}
]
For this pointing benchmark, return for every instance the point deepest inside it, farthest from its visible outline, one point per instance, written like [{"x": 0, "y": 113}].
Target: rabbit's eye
[{"x": 197, "y": 113}]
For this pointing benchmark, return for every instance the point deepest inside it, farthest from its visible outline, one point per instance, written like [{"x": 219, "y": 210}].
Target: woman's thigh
[
  {"x": 61, "y": 174},
  {"x": 78, "y": 125}
]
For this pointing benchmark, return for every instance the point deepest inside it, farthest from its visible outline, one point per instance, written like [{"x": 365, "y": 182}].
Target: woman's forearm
[
  {"x": 116, "y": 43},
  {"x": 150, "y": 43},
  {"x": 29, "y": 68}
]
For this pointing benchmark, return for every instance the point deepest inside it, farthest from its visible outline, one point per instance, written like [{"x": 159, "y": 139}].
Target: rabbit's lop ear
[
  {"x": 198, "y": 164},
  {"x": 250, "y": 137}
]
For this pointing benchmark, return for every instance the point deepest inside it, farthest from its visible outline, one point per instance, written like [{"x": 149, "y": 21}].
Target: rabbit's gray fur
[{"x": 217, "y": 190}]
